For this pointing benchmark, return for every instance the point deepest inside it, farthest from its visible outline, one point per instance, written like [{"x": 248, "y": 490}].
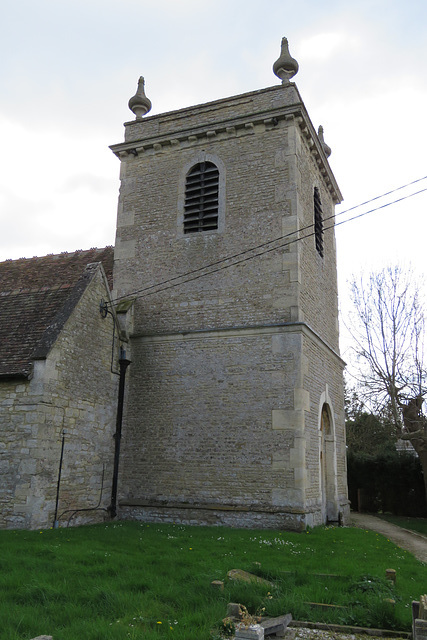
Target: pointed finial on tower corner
[
  {"x": 326, "y": 148},
  {"x": 285, "y": 66},
  {"x": 139, "y": 103}
]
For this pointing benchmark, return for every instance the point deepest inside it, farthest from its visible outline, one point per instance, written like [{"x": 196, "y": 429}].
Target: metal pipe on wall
[{"x": 123, "y": 363}]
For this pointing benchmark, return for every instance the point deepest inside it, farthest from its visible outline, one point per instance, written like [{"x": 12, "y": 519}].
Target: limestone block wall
[
  {"x": 20, "y": 421},
  {"x": 223, "y": 412},
  {"x": 72, "y": 389},
  {"x": 189, "y": 437},
  {"x": 319, "y": 289},
  {"x": 324, "y": 381},
  {"x": 216, "y": 430},
  {"x": 254, "y": 141},
  {"x": 160, "y": 251},
  {"x": 212, "y": 116}
]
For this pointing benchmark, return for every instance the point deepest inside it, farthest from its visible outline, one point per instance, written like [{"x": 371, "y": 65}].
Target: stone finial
[
  {"x": 139, "y": 103},
  {"x": 285, "y": 66},
  {"x": 326, "y": 148}
]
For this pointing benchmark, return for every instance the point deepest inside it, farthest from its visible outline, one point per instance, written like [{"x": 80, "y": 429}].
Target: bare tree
[{"x": 387, "y": 327}]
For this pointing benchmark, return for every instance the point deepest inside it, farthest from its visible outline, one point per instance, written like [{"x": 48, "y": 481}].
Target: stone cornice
[
  {"x": 318, "y": 153},
  {"x": 188, "y": 136},
  {"x": 188, "y": 133}
]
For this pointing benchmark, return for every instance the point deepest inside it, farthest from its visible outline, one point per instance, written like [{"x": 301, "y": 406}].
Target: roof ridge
[{"x": 59, "y": 255}]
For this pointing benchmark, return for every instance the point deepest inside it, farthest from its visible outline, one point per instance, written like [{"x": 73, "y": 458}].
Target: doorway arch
[{"x": 327, "y": 463}]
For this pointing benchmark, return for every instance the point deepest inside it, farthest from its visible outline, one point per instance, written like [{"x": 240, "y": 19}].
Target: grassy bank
[
  {"x": 130, "y": 580},
  {"x": 414, "y": 524}
]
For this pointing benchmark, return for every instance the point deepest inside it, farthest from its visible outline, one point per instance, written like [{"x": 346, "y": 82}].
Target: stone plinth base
[{"x": 253, "y": 632}]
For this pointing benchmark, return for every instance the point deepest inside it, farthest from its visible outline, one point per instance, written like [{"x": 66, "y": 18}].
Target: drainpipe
[
  {"x": 55, "y": 517},
  {"x": 124, "y": 363}
]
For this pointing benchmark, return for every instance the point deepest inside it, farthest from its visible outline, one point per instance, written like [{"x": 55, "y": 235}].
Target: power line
[
  {"x": 382, "y": 206},
  {"x": 409, "y": 184},
  {"x": 146, "y": 291}
]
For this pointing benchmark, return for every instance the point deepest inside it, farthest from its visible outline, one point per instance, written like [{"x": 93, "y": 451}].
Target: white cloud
[
  {"x": 323, "y": 46},
  {"x": 69, "y": 68},
  {"x": 57, "y": 192}
]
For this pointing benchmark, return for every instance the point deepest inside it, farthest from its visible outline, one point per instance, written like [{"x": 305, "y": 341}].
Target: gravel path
[
  {"x": 335, "y": 633},
  {"x": 413, "y": 542}
]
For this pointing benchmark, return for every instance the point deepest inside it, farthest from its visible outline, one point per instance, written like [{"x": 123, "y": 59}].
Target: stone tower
[{"x": 225, "y": 244}]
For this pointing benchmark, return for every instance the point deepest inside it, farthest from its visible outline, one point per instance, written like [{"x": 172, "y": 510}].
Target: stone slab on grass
[
  {"x": 245, "y": 576},
  {"x": 276, "y": 626}
]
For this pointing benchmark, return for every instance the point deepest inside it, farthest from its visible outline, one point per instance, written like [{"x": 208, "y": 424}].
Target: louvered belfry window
[
  {"x": 201, "y": 198},
  {"x": 318, "y": 222}
]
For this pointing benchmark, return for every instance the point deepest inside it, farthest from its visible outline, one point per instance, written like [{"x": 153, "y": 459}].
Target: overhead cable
[{"x": 146, "y": 291}]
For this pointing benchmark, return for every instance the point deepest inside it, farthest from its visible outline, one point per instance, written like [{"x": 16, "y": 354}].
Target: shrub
[{"x": 390, "y": 482}]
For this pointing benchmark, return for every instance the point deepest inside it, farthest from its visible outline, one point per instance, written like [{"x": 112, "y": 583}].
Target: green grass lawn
[
  {"x": 414, "y": 524},
  {"x": 133, "y": 580}
]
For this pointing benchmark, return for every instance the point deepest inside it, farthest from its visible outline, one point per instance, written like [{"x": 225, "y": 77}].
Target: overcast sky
[{"x": 68, "y": 69}]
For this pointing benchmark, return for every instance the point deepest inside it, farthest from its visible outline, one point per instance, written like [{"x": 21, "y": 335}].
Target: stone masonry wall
[
  {"x": 222, "y": 419},
  {"x": 222, "y": 431},
  {"x": 323, "y": 377},
  {"x": 201, "y": 426},
  {"x": 253, "y": 140},
  {"x": 73, "y": 389},
  {"x": 178, "y": 124},
  {"x": 159, "y": 251},
  {"x": 20, "y": 421},
  {"x": 319, "y": 289},
  {"x": 210, "y": 517}
]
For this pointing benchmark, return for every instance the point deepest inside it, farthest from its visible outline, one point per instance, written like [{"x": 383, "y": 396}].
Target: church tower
[{"x": 225, "y": 246}]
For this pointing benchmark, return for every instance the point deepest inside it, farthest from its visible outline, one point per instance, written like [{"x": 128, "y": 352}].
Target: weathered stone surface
[
  {"x": 276, "y": 626},
  {"x": 245, "y": 576},
  {"x": 390, "y": 574},
  {"x": 252, "y": 632},
  {"x": 73, "y": 389},
  {"x": 43, "y": 638},
  {"x": 233, "y": 369},
  {"x": 223, "y": 420},
  {"x": 234, "y": 610},
  {"x": 420, "y": 629},
  {"x": 217, "y": 584}
]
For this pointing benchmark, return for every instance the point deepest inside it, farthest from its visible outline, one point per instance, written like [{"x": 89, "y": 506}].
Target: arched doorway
[{"x": 328, "y": 474}]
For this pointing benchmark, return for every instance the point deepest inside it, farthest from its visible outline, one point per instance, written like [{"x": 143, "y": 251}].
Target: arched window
[
  {"x": 318, "y": 222},
  {"x": 201, "y": 198}
]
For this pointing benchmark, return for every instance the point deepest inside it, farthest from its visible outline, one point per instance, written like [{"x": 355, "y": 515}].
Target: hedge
[{"x": 391, "y": 482}]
